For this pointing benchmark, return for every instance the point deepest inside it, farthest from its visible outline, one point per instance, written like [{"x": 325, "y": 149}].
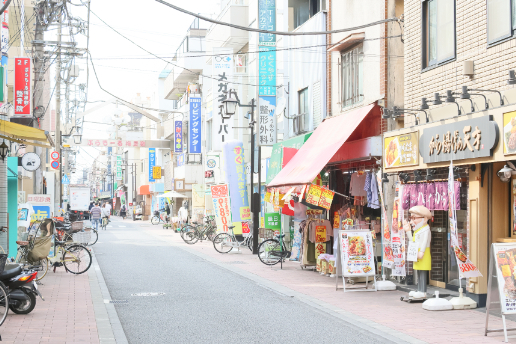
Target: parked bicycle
[
  {"x": 225, "y": 242},
  {"x": 272, "y": 251},
  {"x": 66, "y": 231},
  {"x": 199, "y": 231},
  {"x": 159, "y": 216},
  {"x": 76, "y": 258}
]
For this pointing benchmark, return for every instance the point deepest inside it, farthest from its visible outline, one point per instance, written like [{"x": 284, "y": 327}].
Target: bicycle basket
[
  {"x": 82, "y": 237},
  {"x": 265, "y": 233},
  {"x": 3, "y": 259},
  {"x": 156, "y": 212},
  {"x": 77, "y": 225},
  {"x": 41, "y": 249}
]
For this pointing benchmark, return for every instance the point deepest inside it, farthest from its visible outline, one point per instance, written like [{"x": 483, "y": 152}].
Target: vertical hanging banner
[
  {"x": 152, "y": 162},
  {"x": 222, "y": 128},
  {"x": 398, "y": 235},
  {"x": 178, "y": 137},
  {"x": 233, "y": 156},
  {"x": 118, "y": 167},
  {"x": 194, "y": 126},
  {"x": 388, "y": 257},
  {"x": 466, "y": 267},
  {"x": 221, "y": 206},
  {"x": 22, "y": 86},
  {"x": 267, "y": 121}
]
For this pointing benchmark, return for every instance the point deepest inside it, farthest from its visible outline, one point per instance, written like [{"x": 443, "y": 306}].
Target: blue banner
[
  {"x": 178, "y": 137},
  {"x": 267, "y": 42},
  {"x": 152, "y": 162},
  {"x": 234, "y": 167},
  {"x": 194, "y": 126},
  {"x": 267, "y": 21}
]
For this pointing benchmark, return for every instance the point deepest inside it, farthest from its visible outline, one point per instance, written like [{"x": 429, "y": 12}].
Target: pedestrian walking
[
  {"x": 108, "y": 205},
  {"x": 123, "y": 211},
  {"x": 96, "y": 215},
  {"x": 167, "y": 210},
  {"x": 105, "y": 214}
]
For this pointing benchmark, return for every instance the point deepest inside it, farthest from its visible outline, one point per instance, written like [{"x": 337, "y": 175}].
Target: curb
[{"x": 108, "y": 324}]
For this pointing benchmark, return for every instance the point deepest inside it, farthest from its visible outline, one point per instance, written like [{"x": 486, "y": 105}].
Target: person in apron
[{"x": 421, "y": 236}]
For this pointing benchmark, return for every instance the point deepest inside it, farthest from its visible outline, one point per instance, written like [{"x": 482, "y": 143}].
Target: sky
[{"x": 153, "y": 26}]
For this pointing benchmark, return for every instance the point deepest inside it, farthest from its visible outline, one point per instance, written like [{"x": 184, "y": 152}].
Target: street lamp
[
  {"x": 3, "y": 150},
  {"x": 229, "y": 109}
]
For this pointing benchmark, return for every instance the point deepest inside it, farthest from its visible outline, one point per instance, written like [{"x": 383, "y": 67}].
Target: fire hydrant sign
[
  {"x": 221, "y": 206},
  {"x": 22, "y": 86}
]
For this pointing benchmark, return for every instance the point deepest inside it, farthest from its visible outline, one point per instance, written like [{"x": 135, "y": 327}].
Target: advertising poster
[
  {"x": 388, "y": 258},
  {"x": 356, "y": 253},
  {"x": 466, "y": 268},
  {"x": 22, "y": 86},
  {"x": 198, "y": 196},
  {"x": 505, "y": 261},
  {"x": 326, "y": 198},
  {"x": 152, "y": 162},
  {"x": 314, "y": 194},
  {"x": 401, "y": 150},
  {"x": 398, "y": 235},
  {"x": 194, "y": 126},
  {"x": 233, "y": 156},
  {"x": 221, "y": 206},
  {"x": 509, "y": 133},
  {"x": 178, "y": 140}
]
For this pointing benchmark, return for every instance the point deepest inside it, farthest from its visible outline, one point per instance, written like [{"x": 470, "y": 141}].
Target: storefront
[
  {"x": 480, "y": 145},
  {"x": 145, "y": 201}
]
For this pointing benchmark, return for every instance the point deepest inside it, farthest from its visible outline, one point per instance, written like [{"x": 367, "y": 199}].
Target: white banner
[
  {"x": 398, "y": 234},
  {"x": 222, "y": 129},
  {"x": 221, "y": 206}
]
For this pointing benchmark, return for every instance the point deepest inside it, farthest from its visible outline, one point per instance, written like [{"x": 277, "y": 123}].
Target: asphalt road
[{"x": 203, "y": 303}]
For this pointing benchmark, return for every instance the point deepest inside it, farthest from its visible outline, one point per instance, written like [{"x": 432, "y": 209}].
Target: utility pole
[{"x": 58, "y": 113}]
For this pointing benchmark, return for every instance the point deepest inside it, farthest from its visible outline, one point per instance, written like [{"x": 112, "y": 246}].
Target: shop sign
[
  {"x": 356, "y": 253},
  {"x": 221, "y": 206},
  {"x": 509, "y": 133},
  {"x": 112, "y": 143},
  {"x": 267, "y": 121},
  {"x": 273, "y": 221},
  {"x": 152, "y": 163},
  {"x": 222, "y": 69},
  {"x": 504, "y": 255},
  {"x": 233, "y": 154},
  {"x": 41, "y": 204},
  {"x": 22, "y": 86},
  {"x": 156, "y": 172},
  {"x": 178, "y": 134},
  {"x": 119, "y": 167},
  {"x": 319, "y": 196},
  {"x": 180, "y": 160},
  {"x": 472, "y": 138},
  {"x": 401, "y": 150},
  {"x": 194, "y": 126}
]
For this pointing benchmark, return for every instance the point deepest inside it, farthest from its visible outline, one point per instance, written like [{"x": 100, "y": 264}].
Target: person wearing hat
[{"x": 419, "y": 217}]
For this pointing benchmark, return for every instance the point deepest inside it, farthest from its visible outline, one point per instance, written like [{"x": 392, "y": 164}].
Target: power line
[{"x": 279, "y": 33}]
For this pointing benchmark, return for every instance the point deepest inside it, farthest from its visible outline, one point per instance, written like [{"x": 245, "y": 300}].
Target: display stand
[
  {"x": 496, "y": 295},
  {"x": 340, "y": 268}
]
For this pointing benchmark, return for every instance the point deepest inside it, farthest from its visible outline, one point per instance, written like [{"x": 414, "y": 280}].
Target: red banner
[{"x": 22, "y": 86}]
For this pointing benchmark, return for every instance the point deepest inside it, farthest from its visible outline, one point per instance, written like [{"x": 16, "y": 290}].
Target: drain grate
[
  {"x": 116, "y": 301},
  {"x": 148, "y": 294}
]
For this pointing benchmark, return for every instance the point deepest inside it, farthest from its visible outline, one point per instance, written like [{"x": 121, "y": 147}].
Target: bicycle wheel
[
  {"x": 43, "y": 265},
  {"x": 269, "y": 252},
  {"x": 4, "y": 303},
  {"x": 93, "y": 238},
  {"x": 250, "y": 243},
  {"x": 222, "y": 243},
  {"x": 154, "y": 220},
  {"x": 211, "y": 234},
  {"x": 77, "y": 259},
  {"x": 190, "y": 235}
]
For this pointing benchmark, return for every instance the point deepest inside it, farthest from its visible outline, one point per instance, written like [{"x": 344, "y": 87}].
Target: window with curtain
[
  {"x": 438, "y": 31},
  {"x": 352, "y": 76},
  {"x": 501, "y": 15},
  {"x": 303, "y": 105}
]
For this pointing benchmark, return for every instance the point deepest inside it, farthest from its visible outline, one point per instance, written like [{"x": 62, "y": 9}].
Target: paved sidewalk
[
  {"x": 73, "y": 312},
  {"x": 381, "y": 310}
]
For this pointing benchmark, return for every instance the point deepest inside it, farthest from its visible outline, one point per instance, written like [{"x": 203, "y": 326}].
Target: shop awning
[
  {"x": 20, "y": 133},
  {"x": 318, "y": 150},
  {"x": 276, "y": 161},
  {"x": 144, "y": 190}
]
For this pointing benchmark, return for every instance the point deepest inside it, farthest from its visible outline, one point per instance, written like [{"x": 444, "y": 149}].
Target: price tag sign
[{"x": 412, "y": 251}]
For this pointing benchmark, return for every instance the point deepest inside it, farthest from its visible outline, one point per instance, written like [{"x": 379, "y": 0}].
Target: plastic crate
[{"x": 82, "y": 237}]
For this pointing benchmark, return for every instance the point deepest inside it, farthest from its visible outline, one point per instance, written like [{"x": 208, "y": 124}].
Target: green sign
[
  {"x": 118, "y": 167},
  {"x": 273, "y": 221},
  {"x": 277, "y": 154}
]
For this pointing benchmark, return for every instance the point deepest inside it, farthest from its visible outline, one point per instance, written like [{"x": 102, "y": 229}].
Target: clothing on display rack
[
  {"x": 374, "y": 203},
  {"x": 367, "y": 187},
  {"x": 356, "y": 186}
]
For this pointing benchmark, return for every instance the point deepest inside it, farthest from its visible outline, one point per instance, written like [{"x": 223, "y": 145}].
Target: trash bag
[{"x": 41, "y": 249}]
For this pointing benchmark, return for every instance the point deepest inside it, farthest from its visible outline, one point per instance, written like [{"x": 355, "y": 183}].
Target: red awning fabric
[
  {"x": 144, "y": 190},
  {"x": 320, "y": 148}
]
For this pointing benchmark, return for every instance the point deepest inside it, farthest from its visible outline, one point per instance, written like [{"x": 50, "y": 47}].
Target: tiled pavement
[
  {"x": 73, "y": 312},
  {"x": 377, "y": 310}
]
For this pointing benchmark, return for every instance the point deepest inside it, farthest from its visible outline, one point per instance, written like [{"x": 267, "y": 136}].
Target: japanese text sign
[
  {"x": 178, "y": 137},
  {"x": 502, "y": 258},
  {"x": 194, "y": 126},
  {"x": 320, "y": 233},
  {"x": 314, "y": 195},
  {"x": 273, "y": 221},
  {"x": 267, "y": 21},
  {"x": 356, "y": 253},
  {"x": 471, "y": 138},
  {"x": 401, "y": 150},
  {"x": 326, "y": 198},
  {"x": 267, "y": 121},
  {"x": 152, "y": 162},
  {"x": 221, "y": 206},
  {"x": 233, "y": 166},
  {"x": 22, "y": 86},
  {"x": 113, "y": 143},
  {"x": 222, "y": 130},
  {"x": 118, "y": 167},
  {"x": 156, "y": 172},
  {"x": 267, "y": 43}
]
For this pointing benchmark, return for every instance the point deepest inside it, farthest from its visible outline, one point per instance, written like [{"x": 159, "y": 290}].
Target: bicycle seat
[
  {"x": 280, "y": 236},
  {"x": 195, "y": 222},
  {"x": 10, "y": 273},
  {"x": 22, "y": 243},
  {"x": 231, "y": 227}
]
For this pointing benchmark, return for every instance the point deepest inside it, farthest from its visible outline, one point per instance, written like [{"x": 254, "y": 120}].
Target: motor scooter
[{"x": 21, "y": 288}]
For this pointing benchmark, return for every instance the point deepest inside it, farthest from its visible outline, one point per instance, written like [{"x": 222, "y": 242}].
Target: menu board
[
  {"x": 505, "y": 261},
  {"x": 356, "y": 254}
]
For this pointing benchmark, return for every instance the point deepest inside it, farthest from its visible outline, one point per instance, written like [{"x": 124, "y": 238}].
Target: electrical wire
[{"x": 279, "y": 33}]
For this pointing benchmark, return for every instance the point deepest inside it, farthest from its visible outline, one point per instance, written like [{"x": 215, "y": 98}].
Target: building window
[
  {"x": 303, "y": 107},
  {"x": 438, "y": 32},
  {"x": 209, "y": 135},
  {"x": 501, "y": 20},
  {"x": 352, "y": 76},
  {"x": 302, "y": 10}
]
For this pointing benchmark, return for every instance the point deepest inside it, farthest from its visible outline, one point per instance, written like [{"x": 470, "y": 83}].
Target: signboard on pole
[
  {"x": 222, "y": 129},
  {"x": 233, "y": 154},
  {"x": 267, "y": 121},
  {"x": 156, "y": 172},
  {"x": 178, "y": 137},
  {"x": 54, "y": 155},
  {"x": 152, "y": 162},
  {"x": 54, "y": 164},
  {"x": 22, "y": 87},
  {"x": 194, "y": 126},
  {"x": 65, "y": 180},
  {"x": 118, "y": 167},
  {"x": 221, "y": 206}
]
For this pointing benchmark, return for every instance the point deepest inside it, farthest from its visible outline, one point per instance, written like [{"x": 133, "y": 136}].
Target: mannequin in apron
[{"x": 421, "y": 236}]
